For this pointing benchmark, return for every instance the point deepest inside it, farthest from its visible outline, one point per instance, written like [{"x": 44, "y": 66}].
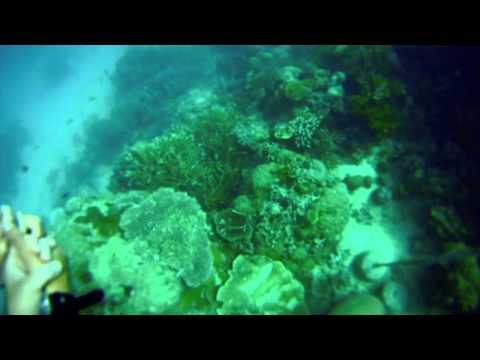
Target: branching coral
[
  {"x": 303, "y": 127},
  {"x": 171, "y": 160},
  {"x": 199, "y": 156}
]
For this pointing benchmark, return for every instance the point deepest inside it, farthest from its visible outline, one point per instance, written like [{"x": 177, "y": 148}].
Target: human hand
[
  {"x": 3, "y": 254},
  {"x": 28, "y": 267}
]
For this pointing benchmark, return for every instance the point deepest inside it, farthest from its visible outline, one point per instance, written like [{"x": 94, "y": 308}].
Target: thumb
[{"x": 43, "y": 274}]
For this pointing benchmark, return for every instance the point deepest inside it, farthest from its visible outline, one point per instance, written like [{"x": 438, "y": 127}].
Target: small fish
[
  {"x": 69, "y": 121},
  {"x": 65, "y": 195},
  {"x": 36, "y": 147},
  {"x": 24, "y": 168},
  {"x": 92, "y": 98}
]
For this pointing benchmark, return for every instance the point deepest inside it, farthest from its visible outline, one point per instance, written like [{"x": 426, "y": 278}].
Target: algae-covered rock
[
  {"x": 395, "y": 297},
  {"x": 258, "y": 285},
  {"x": 363, "y": 304},
  {"x": 357, "y": 181}
]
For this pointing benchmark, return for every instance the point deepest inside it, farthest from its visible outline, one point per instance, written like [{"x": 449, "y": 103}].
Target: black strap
[{"x": 69, "y": 304}]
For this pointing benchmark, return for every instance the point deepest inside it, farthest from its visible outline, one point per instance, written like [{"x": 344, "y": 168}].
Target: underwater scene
[{"x": 245, "y": 179}]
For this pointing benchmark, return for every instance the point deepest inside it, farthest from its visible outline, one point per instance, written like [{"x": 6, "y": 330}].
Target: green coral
[
  {"x": 166, "y": 161},
  {"x": 383, "y": 118},
  {"x": 244, "y": 205},
  {"x": 260, "y": 286},
  {"x": 198, "y": 157},
  {"x": 327, "y": 216},
  {"x": 298, "y": 90},
  {"x": 301, "y": 211},
  {"x": 233, "y": 226},
  {"x": 132, "y": 284},
  {"x": 447, "y": 224},
  {"x": 380, "y": 95},
  {"x": 264, "y": 178},
  {"x": 173, "y": 227},
  {"x": 464, "y": 278},
  {"x": 148, "y": 261}
]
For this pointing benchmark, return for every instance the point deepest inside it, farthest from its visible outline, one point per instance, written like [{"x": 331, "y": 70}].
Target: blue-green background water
[{"x": 250, "y": 179}]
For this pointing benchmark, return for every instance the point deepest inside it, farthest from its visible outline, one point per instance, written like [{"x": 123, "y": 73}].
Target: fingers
[
  {"x": 27, "y": 238},
  {"x": 31, "y": 227},
  {"x": 24, "y": 293},
  {"x": 3, "y": 250},
  {"x": 8, "y": 221},
  {"x": 45, "y": 246},
  {"x": 43, "y": 274}
]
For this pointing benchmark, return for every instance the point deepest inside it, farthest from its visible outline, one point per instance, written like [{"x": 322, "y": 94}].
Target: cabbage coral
[{"x": 260, "y": 286}]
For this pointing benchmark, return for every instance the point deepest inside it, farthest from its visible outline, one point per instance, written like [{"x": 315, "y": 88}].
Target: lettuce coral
[
  {"x": 260, "y": 286},
  {"x": 132, "y": 284},
  {"x": 174, "y": 227}
]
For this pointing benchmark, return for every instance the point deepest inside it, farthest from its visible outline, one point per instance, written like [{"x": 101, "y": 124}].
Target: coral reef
[{"x": 226, "y": 195}]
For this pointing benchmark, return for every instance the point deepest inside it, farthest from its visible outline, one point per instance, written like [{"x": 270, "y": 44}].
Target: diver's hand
[
  {"x": 24, "y": 290},
  {"x": 27, "y": 267},
  {"x": 3, "y": 254}
]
